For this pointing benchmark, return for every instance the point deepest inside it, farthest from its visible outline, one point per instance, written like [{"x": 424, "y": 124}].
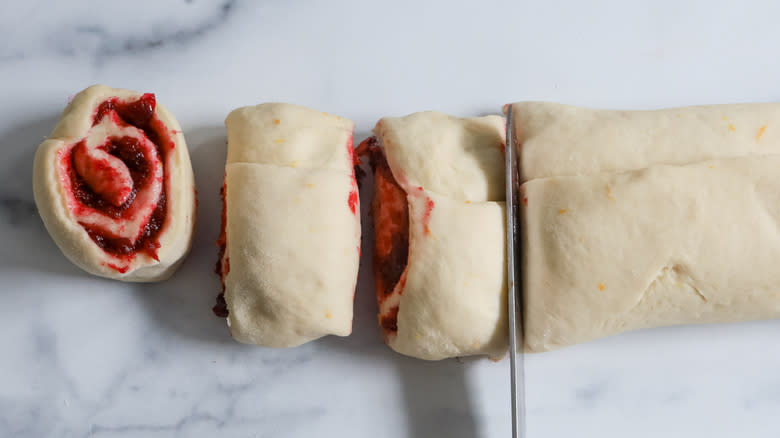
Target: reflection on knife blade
[{"x": 514, "y": 292}]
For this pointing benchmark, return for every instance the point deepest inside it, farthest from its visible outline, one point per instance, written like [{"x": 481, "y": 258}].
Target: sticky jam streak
[
  {"x": 391, "y": 226},
  {"x": 353, "y": 201},
  {"x": 223, "y": 262},
  {"x": 120, "y": 269},
  {"x": 139, "y": 113}
]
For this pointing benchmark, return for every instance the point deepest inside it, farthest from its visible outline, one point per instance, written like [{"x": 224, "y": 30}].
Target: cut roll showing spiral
[{"x": 114, "y": 185}]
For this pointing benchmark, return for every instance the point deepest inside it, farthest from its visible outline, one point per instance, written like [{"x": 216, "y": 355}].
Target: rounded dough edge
[{"x": 73, "y": 241}]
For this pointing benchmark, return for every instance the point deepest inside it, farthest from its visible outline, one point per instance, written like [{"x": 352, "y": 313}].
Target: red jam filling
[
  {"x": 223, "y": 263},
  {"x": 353, "y": 200},
  {"x": 389, "y": 322},
  {"x": 391, "y": 227},
  {"x": 96, "y": 186}
]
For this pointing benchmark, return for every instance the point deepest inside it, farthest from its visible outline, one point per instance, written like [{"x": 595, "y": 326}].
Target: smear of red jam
[
  {"x": 220, "y": 309},
  {"x": 362, "y": 150},
  {"x": 427, "y": 216},
  {"x": 140, "y": 114},
  {"x": 389, "y": 322},
  {"x": 120, "y": 269},
  {"x": 353, "y": 201},
  {"x": 391, "y": 227}
]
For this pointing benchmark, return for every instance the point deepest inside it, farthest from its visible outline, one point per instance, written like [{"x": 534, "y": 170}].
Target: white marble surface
[{"x": 82, "y": 356}]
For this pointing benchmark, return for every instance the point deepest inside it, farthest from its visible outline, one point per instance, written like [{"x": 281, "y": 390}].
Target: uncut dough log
[{"x": 637, "y": 219}]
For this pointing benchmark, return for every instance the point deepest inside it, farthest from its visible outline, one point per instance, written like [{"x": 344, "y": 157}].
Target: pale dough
[
  {"x": 635, "y": 219},
  {"x": 176, "y": 236},
  {"x": 461, "y": 158},
  {"x": 293, "y": 240},
  {"x": 453, "y": 301},
  {"x": 665, "y": 245},
  {"x": 558, "y": 140}
]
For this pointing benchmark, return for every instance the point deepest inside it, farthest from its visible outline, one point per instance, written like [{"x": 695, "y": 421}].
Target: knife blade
[{"x": 514, "y": 285}]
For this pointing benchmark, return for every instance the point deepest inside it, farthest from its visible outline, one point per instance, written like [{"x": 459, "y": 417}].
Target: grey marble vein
[
  {"x": 102, "y": 43},
  {"x": 96, "y": 430},
  {"x": 118, "y": 45}
]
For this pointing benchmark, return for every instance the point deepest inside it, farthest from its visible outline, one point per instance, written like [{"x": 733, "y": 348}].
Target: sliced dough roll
[
  {"x": 114, "y": 185},
  {"x": 439, "y": 222},
  {"x": 291, "y": 225},
  {"x": 635, "y": 219}
]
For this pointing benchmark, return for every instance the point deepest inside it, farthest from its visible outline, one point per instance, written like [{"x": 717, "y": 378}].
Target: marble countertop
[{"x": 83, "y": 356}]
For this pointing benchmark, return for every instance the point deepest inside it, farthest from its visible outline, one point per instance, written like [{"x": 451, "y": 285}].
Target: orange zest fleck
[
  {"x": 609, "y": 193},
  {"x": 601, "y": 286},
  {"x": 427, "y": 216},
  {"x": 279, "y": 140},
  {"x": 731, "y": 128},
  {"x": 563, "y": 211},
  {"x": 277, "y": 121},
  {"x": 760, "y": 133}
]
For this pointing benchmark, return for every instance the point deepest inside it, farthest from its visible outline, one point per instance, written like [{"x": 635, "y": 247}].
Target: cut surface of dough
[{"x": 114, "y": 185}]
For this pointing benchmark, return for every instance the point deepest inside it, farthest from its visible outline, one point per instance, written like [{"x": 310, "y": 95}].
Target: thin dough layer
[{"x": 561, "y": 140}]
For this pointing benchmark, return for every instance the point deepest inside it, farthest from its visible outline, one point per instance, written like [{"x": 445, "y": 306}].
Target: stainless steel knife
[{"x": 514, "y": 280}]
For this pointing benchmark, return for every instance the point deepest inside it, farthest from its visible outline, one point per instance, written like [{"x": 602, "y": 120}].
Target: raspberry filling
[
  {"x": 353, "y": 200},
  {"x": 223, "y": 262},
  {"x": 391, "y": 227},
  {"x": 116, "y": 179}
]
